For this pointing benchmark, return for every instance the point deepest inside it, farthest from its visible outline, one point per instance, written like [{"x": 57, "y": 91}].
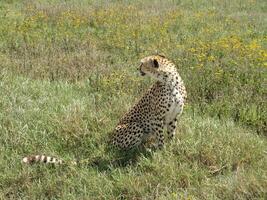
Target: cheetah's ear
[{"x": 155, "y": 63}]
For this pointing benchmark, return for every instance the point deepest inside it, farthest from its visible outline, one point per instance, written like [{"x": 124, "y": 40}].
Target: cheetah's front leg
[
  {"x": 159, "y": 134},
  {"x": 171, "y": 128}
]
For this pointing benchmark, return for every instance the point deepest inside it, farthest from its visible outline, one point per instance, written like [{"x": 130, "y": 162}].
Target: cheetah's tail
[{"x": 41, "y": 159}]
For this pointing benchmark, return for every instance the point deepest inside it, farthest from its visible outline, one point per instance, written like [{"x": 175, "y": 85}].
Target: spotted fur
[{"x": 159, "y": 108}]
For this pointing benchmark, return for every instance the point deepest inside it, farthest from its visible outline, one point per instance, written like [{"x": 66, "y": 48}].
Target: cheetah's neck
[{"x": 173, "y": 80}]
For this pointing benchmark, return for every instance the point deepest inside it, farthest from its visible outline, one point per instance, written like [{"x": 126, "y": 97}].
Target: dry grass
[{"x": 68, "y": 72}]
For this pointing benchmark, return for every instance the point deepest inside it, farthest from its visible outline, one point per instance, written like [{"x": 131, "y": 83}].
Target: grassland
[{"x": 68, "y": 73}]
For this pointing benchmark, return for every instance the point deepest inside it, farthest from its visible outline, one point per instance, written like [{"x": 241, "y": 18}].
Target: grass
[{"x": 68, "y": 73}]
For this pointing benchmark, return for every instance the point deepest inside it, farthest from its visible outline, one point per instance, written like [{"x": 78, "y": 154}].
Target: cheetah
[{"x": 157, "y": 109}]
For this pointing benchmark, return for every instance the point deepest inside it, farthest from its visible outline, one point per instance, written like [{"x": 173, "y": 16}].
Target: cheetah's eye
[{"x": 156, "y": 64}]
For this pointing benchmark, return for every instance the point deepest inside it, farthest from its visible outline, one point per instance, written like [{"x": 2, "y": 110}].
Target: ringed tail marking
[{"x": 41, "y": 159}]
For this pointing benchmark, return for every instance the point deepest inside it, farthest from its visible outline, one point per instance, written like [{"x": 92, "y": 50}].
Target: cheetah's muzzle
[{"x": 141, "y": 72}]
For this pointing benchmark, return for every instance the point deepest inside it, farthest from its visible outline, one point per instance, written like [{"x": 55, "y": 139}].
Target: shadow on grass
[{"x": 120, "y": 159}]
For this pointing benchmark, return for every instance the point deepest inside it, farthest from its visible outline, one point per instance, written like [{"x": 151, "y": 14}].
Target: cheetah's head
[{"x": 156, "y": 66}]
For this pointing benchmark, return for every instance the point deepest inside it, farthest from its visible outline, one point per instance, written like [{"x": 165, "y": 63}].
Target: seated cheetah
[{"x": 158, "y": 108}]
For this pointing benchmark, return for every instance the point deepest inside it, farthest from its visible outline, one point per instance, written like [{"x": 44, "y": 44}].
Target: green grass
[{"x": 68, "y": 73}]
